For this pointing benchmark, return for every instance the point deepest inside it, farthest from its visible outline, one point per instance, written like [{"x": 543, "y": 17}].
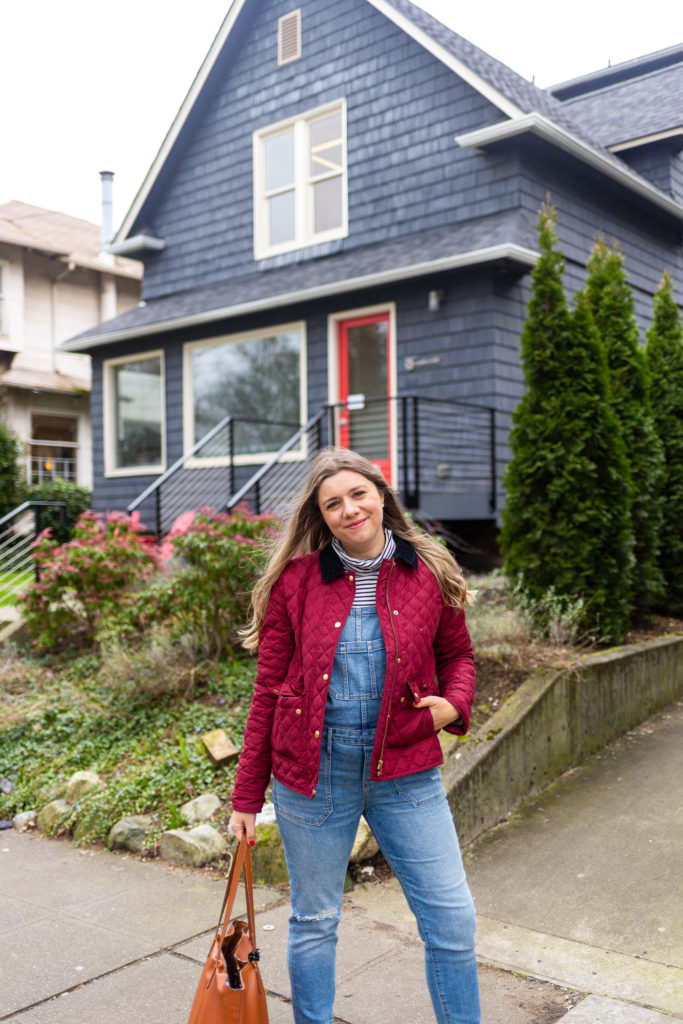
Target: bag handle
[{"x": 241, "y": 859}]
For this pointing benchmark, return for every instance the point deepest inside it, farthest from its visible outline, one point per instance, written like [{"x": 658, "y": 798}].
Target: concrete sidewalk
[{"x": 578, "y": 896}]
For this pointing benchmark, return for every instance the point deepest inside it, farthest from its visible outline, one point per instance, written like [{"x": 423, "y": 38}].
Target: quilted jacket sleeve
[
  {"x": 455, "y": 665},
  {"x": 276, "y": 647}
]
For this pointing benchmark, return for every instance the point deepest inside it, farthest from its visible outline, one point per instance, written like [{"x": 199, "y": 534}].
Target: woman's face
[{"x": 352, "y": 507}]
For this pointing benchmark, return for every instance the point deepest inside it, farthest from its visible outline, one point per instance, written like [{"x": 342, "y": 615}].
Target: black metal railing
[
  {"x": 209, "y": 472},
  {"x": 439, "y": 455},
  {"x": 18, "y": 532},
  {"x": 437, "y": 451}
]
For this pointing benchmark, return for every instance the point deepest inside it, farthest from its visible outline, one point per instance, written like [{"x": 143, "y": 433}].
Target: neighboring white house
[{"x": 55, "y": 281}]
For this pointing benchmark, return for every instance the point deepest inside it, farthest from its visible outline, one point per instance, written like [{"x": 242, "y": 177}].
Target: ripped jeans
[{"x": 411, "y": 820}]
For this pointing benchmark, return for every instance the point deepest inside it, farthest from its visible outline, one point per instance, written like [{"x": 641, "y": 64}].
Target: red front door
[{"x": 365, "y": 421}]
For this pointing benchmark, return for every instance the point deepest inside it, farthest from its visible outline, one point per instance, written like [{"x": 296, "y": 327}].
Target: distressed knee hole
[{"x": 322, "y": 916}]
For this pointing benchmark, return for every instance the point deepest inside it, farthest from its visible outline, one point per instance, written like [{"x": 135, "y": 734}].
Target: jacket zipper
[{"x": 380, "y": 763}]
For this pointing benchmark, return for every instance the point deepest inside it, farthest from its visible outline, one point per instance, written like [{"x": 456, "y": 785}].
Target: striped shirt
[{"x": 366, "y": 570}]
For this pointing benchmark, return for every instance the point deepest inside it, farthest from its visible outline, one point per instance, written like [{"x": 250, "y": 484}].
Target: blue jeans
[{"x": 412, "y": 823}]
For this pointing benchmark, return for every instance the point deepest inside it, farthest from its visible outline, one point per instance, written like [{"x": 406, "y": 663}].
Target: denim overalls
[{"x": 410, "y": 819}]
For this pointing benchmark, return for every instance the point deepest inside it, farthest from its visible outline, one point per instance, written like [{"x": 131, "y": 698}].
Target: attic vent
[{"x": 289, "y": 37}]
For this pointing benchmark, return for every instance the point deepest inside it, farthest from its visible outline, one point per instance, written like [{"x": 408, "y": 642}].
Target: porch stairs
[{"x": 443, "y": 458}]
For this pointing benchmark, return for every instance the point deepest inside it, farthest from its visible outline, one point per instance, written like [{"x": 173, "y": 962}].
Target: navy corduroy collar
[{"x": 331, "y": 566}]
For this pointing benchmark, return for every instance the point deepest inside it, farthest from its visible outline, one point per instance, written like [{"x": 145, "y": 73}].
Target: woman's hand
[
  {"x": 243, "y": 821},
  {"x": 442, "y": 710}
]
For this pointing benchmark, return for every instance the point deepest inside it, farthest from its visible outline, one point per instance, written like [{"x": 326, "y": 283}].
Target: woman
[{"x": 354, "y": 616}]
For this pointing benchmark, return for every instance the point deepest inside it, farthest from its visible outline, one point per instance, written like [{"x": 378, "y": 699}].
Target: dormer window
[{"x": 300, "y": 186}]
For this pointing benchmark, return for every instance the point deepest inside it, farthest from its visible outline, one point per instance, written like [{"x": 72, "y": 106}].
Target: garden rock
[
  {"x": 268, "y": 856},
  {"x": 52, "y": 814},
  {"x": 26, "y": 819},
  {"x": 195, "y": 847},
  {"x": 80, "y": 784},
  {"x": 130, "y": 833},
  {"x": 219, "y": 748},
  {"x": 200, "y": 809},
  {"x": 365, "y": 845}
]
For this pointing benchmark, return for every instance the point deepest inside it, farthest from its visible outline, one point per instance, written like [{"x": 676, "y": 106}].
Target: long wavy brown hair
[{"x": 307, "y": 531}]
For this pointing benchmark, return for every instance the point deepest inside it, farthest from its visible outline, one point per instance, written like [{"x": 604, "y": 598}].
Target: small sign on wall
[{"x": 411, "y": 363}]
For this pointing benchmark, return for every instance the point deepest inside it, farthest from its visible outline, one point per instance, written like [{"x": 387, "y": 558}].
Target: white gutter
[
  {"x": 136, "y": 243},
  {"x": 519, "y": 253},
  {"x": 538, "y": 124},
  {"x": 645, "y": 140}
]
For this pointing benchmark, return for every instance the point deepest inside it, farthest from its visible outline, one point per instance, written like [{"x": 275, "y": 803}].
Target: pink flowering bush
[
  {"x": 112, "y": 583},
  {"x": 99, "y": 572}
]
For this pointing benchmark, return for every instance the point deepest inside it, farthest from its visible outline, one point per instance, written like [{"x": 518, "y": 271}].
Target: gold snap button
[
  {"x": 398, "y": 659},
  {"x": 351, "y": 578},
  {"x": 298, "y": 711},
  {"x": 395, "y": 612},
  {"x": 317, "y": 733},
  {"x": 402, "y": 699},
  {"x": 326, "y": 677},
  {"x": 313, "y": 793},
  {"x": 337, "y": 625}
]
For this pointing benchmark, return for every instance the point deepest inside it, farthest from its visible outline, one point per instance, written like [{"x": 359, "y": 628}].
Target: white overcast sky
[{"x": 92, "y": 85}]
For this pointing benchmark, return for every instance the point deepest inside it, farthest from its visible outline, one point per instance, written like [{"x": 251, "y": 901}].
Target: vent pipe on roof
[{"x": 107, "y": 224}]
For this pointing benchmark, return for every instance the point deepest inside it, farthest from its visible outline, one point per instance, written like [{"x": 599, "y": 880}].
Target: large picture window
[
  {"x": 256, "y": 378},
  {"x": 300, "y": 189},
  {"x": 134, "y": 390}
]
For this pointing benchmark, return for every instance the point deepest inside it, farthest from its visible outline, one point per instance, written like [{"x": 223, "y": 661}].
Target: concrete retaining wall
[{"x": 553, "y": 721}]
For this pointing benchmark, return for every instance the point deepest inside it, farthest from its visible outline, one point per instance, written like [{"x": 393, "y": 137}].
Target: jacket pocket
[
  {"x": 285, "y": 738},
  {"x": 411, "y": 725}
]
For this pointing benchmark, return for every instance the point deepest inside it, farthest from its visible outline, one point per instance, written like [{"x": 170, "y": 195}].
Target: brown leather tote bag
[{"x": 230, "y": 990}]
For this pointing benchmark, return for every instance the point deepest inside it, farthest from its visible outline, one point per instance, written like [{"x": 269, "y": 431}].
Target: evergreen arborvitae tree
[
  {"x": 566, "y": 525},
  {"x": 612, "y": 305},
  {"x": 664, "y": 353}
]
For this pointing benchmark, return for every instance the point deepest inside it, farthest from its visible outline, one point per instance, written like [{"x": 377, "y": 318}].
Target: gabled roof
[
  {"x": 637, "y": 108},
  {"x": 57, "y": 234},
  {"x": 505, "y": 238},
  {"x": 514, "y": 96}
]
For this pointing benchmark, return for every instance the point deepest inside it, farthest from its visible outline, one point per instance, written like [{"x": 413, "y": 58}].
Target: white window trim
[
  {"x": 257, "y": 458},
  {"x": 333, "y": 322},
  {"x": 303, "y": 195},
  {"x": 108, "y": 408}
]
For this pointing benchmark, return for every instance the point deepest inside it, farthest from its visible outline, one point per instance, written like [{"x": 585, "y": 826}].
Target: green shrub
[
  {"x": 221, "y": 557},
  {"x": 566, "y": 521},
  {"x": 665, "y": 359},
  {"x": 96, "y": 574},
  {"x": 77, "y": 499},
  {"x": 9, "y": 470}
]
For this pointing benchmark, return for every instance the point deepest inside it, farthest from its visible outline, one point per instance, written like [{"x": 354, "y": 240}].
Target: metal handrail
[
  {"x": 31, "y": 504},
  {"x": 180, "y": 462},
  {"x": 260, "y": 473}
]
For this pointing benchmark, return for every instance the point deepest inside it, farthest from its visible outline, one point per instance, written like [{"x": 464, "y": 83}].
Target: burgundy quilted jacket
[{"x": 308, "y": 607}]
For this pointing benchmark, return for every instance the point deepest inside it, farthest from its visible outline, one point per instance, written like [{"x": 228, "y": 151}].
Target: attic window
[{"x": 289, "y": 37}]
